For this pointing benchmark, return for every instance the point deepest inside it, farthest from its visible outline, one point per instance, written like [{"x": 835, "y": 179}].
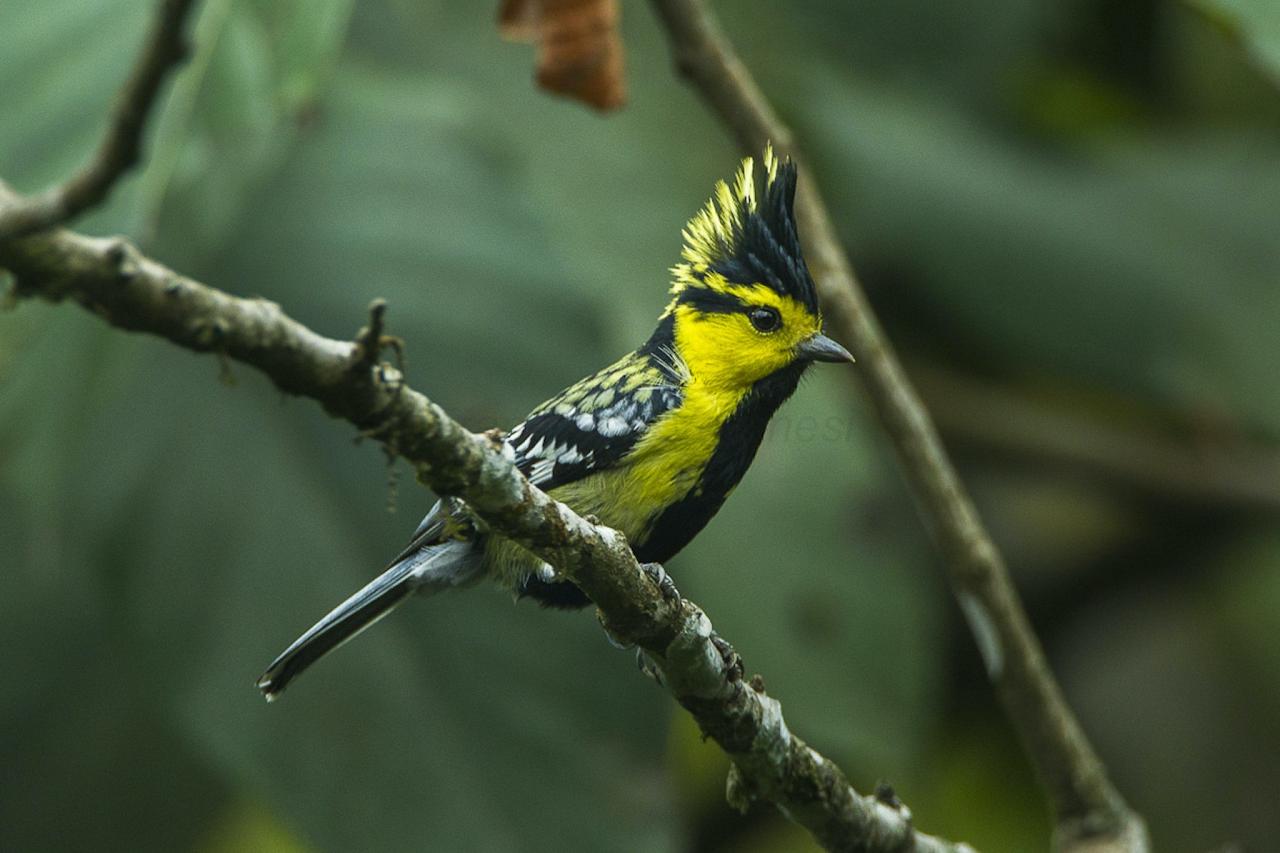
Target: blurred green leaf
[
  {"x": 62, "y": 64},
  {"x": 94, "y": 770},
  {"x": 1147, "y": 667},
  {"x": 974, "y": 758},
  {"x": 224, "y": 122},
  {"x": 248, "y": 827},
  {"x": 1250, "y": 598},
  {"x": 251, "y": 85},
  {"x": 1258, "y": 24},
  {"x": 1145, "y": 265}
]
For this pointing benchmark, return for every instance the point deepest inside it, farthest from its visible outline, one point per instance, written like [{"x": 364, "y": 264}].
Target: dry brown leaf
[{"x": 579, "y": 49}]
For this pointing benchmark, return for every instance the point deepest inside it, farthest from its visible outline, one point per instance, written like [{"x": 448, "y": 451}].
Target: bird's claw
[
  {"x": 659, "y": 576},
  {"x": 733, "y": 664},
  {"x": 888, "y": 796},
  {"x": 647, "y": 666}
]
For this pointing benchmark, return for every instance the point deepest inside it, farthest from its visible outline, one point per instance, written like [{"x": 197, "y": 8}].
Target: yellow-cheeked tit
[{"x": 650, "y": 445}]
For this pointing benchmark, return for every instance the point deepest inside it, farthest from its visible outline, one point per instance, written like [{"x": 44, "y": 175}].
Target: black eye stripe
[
  {"x": 708, "y": 301},
  {"x": 764, "y": 318}
]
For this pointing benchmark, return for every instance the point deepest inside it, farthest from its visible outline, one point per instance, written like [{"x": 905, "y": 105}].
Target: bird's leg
[
  {"x": 669, "y": 592},
  {"x": 659, "y": 576},
  {"x": 643, "y": 662}
]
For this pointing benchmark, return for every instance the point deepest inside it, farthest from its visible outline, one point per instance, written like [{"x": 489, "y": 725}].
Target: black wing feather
[{"x": 574, "y": 435}]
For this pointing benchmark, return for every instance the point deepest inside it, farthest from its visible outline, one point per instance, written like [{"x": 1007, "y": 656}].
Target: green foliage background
[{"x": 1077, "y": 202}]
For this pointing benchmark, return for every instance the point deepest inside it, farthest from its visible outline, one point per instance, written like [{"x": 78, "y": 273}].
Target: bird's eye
[{"x": 765, "y": 319}]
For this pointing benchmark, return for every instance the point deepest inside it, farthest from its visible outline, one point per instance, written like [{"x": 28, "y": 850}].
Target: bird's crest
[{"x": 746, "y": 234}]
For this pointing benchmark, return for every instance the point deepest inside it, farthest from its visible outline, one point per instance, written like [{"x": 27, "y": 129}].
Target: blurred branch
[
  {"x": 1230, "y": 473},
  {"x": 121, "y": 147},
  {"x": 1090, "y": 812},
  {"x": 111, "y": 278}
]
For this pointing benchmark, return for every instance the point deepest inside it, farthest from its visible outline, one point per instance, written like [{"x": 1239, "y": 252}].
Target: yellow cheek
[
  {"x": 797, "y": 322},
  {"x": 722, "y": 350}
]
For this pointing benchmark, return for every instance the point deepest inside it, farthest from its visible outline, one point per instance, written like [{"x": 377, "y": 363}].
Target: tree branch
[
  {"x": 121, "y": 147},
  {"x": 110, "y": 278},
  {"x": 1089, "y": 810}
]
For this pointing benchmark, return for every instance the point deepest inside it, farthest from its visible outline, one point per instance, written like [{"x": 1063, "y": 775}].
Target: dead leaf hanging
[{"x": 579, "y": 49}]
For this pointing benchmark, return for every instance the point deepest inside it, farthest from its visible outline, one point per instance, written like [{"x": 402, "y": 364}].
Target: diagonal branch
[
  {"x": 1090, "y": 811},
  {"x": 121, "y": 147},
  {"x": 110, "y": 278}
]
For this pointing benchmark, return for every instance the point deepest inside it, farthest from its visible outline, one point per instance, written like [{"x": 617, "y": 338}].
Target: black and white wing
[
  {"x": 590, "y": 426},
  {"x": 594, "y": 424}
]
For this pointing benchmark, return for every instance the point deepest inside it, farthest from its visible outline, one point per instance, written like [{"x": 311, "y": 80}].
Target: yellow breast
[{"x": 661, "y": 469}]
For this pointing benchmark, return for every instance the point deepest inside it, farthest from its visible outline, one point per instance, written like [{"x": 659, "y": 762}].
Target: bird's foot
[
  {"x": 665, "y": 584},
  {"x": 888, "y": 796},
  {"x": 649, "y": 668},
  {"x": 733, "y": 664}
]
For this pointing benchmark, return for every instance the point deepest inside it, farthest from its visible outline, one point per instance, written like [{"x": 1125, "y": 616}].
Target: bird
[{"x": 651, "y": 445}]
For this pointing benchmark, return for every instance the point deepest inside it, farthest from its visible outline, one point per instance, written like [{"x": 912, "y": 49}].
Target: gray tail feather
[{"x": 428, "y": 569}]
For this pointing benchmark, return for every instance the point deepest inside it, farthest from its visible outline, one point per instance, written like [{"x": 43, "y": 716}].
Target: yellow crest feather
[{"x": 714, "y": 231}]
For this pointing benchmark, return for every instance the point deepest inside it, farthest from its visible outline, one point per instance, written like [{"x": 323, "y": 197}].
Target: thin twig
[
  {"x": 114, "y": 281},
  {"x": 1088, "y": 808},
  {"x": 121, "y": 148}
]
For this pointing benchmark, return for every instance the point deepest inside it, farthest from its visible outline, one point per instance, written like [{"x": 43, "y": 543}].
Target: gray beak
[{"x": 821, "y": 348}]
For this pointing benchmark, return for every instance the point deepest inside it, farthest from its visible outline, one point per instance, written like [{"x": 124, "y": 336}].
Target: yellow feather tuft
[
  {"x": 770, "y": 164},
  {"x": 710, "y": 235}
]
